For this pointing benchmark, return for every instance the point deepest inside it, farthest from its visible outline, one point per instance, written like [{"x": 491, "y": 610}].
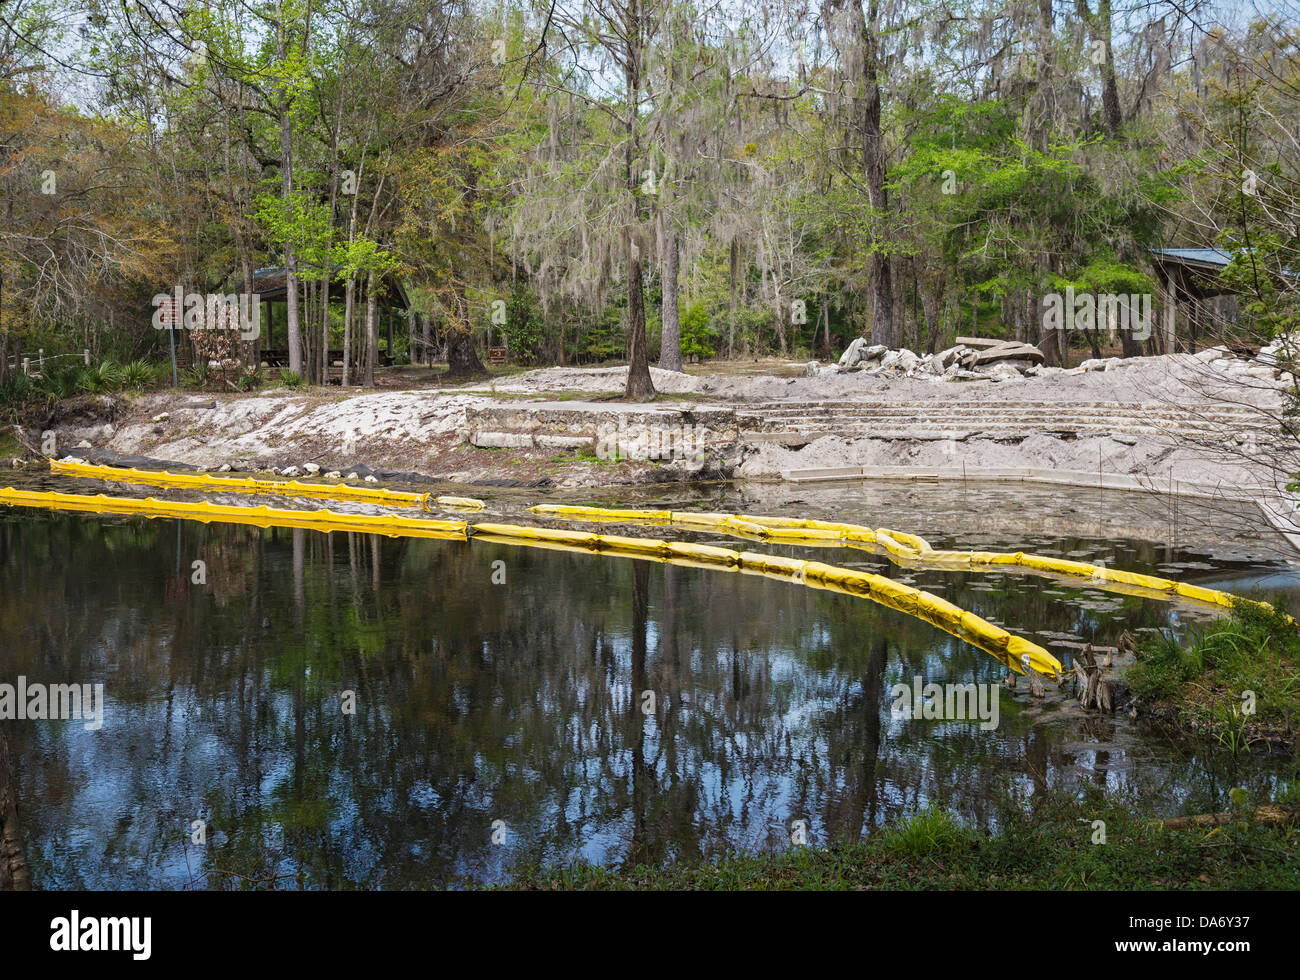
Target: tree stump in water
[
  {"x": 14, "y": 874},
  {"x": 1093, "y": 690}
]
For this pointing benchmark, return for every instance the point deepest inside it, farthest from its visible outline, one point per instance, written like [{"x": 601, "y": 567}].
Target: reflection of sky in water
[{"x": 522, "y": 704}]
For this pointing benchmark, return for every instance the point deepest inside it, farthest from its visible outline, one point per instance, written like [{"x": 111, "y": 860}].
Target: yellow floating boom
[
  {"x": 901, "y": 547},
  {"x": 321, "y": 520},
  {"x": 1016, "y": 652},
  {"x": 461, "y": 503},
  {"x": 205, "y": 483}
]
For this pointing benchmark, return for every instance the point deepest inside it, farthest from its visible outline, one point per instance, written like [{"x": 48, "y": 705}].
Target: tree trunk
[
  {"x": 826, "y": 326},
  {"x": 930, "y": 310},
  {"x": 291, "y": 311},
  {"x": 325, "y": 330},
  {"x": 1109, "y": 88},
  {"x": 349, "y": 292},
  {"x": 4, "y": 335},
  {"x": 462, "y": 358},
  {"x": 1052, "y": 344},
  {"x": 309, "y": 362},
  {"x": 639, "y": 385},
  {"x": 562, "y": 357},
  {"x": 670, "y": 347},
  {"x": 286, "y": 192},
  {"x": 734, "y": 273},
  {"x": 14, "y": 873},
  {"x": 372, "y": 332},
  {"x": 873, "y": 154}
]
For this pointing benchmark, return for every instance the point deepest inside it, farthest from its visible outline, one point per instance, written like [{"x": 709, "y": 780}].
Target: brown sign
[{"x": 497, "y": 355}]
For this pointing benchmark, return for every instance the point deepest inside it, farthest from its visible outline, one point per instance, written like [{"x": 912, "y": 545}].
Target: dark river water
[{"x": 499, "y": 694}]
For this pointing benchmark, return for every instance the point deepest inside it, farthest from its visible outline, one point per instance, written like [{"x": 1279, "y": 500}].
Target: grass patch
[
  {"x": 1213, "y": 675},
  {"x": 1050, "y": 846},
  {"x": 586, "y": 454}
]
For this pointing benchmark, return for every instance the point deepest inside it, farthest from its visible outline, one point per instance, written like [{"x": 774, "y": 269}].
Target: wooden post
[{"x": 1171, "y": 314}]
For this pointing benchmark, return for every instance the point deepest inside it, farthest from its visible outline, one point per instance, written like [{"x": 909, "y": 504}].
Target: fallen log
[
  {"x": 1268, "y": 815},
  {"x": 21, "y": 435}
]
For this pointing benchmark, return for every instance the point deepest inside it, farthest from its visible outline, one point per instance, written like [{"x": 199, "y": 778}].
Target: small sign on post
[{"x": 497, "y": 355}]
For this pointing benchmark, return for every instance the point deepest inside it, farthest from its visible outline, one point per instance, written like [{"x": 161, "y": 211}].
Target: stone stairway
[
  {"x": 571, "y": 425},
  {"x": 794, "y": 424}
]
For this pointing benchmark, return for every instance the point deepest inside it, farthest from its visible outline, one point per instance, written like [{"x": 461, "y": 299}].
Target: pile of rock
[
  {"x": 996, "y": 361},
  {"x": 1269, "y": 364},
  {"x": 1099, "y": 364},
  {"x": 1283, "y": 354},
  {"x": 1283, "y": 349}
]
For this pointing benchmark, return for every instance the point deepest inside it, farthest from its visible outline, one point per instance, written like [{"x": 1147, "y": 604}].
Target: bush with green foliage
[
  {"x": 524, "y": 331},
  {"x": 250, "y": 379},
  {"x": 698, "y": 338},
  {"x": 15, "y": 393}
]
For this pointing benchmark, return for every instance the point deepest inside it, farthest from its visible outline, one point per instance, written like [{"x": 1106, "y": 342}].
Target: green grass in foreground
[
  {"x": 1206, "y": 673},
  {"x": 1052, "y": 848}
]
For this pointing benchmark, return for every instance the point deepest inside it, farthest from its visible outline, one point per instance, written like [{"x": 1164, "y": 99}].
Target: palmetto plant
[
  {"x": 109, "y": 376},
  {"x": 137, "y": 376}
]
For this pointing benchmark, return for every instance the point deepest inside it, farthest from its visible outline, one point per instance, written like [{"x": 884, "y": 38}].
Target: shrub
[
  {"x": 17, "y": 390},
  {"x": 251, "y": 379},
  {"x": 60, "y": 382},
  {"x": 107, "y": 377},
  {"x": 198, "y": 376},
  {"x": 698, "y": 339},
  {"x": 138, "y": 375},
  {"x": 524, "y": 330}
]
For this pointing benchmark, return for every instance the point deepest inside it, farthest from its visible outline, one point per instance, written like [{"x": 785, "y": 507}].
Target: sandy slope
[{"x": 425, "y": 430}]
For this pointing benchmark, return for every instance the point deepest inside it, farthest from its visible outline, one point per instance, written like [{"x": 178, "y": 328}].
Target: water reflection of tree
[{"x": 476, "y": 702}]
